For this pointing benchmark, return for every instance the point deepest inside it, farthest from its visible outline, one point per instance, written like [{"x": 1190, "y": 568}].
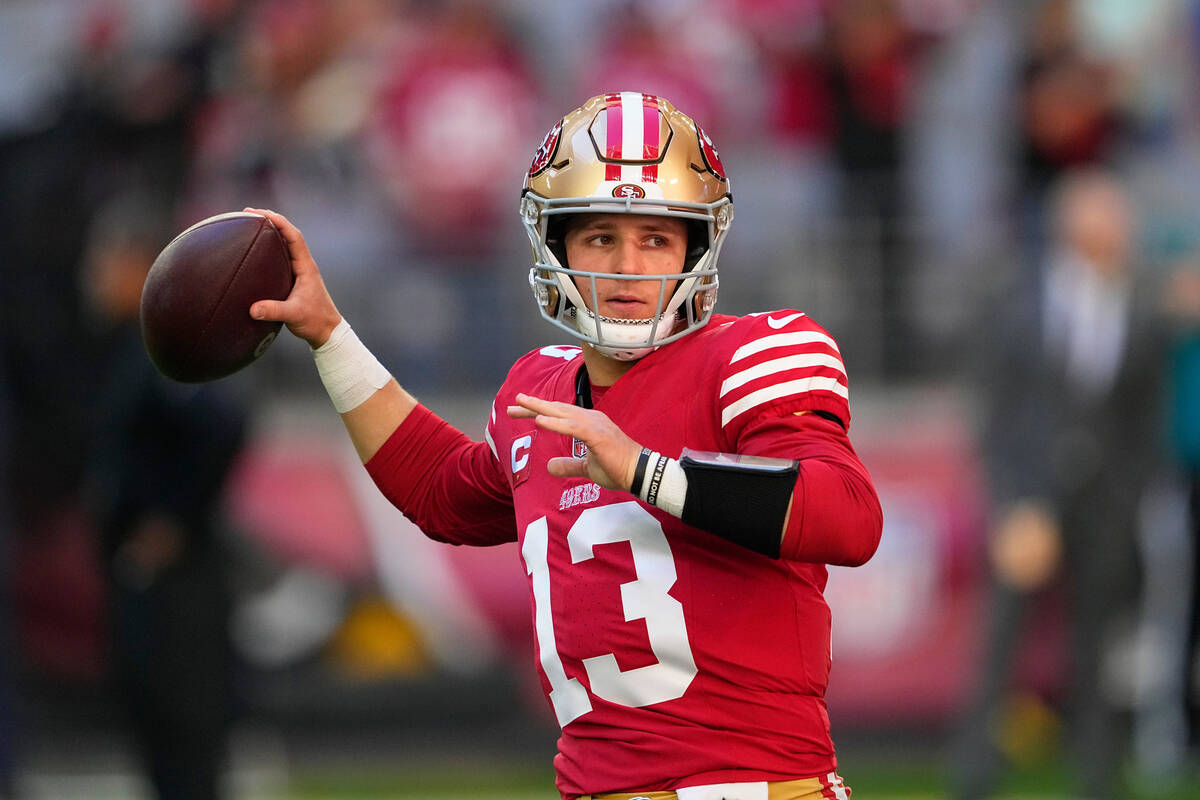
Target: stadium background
[{"x": 889, "y": 162}]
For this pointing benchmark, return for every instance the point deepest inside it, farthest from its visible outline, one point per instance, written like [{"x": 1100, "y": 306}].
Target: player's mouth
[{"x": 625, "y": 305}]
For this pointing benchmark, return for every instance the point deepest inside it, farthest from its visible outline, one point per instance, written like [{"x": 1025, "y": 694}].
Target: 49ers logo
[
  {"x": 709, "y": 151},
  {"x": 629, "y": 190},
  {"x": 545, "y": 153}
]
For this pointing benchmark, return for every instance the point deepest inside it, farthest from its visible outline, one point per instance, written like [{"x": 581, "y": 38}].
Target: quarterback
[{"x": 676, "y": 480}]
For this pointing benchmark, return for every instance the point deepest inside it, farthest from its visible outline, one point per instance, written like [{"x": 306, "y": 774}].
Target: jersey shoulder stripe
[
  {"x": 487, "y": 432},
  {"x": 539, "y": 372},
  {"x": 783, "y": 361}
]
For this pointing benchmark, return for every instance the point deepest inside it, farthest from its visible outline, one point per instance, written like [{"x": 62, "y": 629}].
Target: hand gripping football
[{"x": 195, "y": 311}]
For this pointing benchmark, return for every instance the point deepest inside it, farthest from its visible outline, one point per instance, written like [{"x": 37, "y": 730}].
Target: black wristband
[
  {"x": 743, "y": 500},
  {"x": 639, "y": 472}
]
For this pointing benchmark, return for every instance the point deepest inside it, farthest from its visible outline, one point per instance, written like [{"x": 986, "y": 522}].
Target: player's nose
[{"x": 630, "y": 259}]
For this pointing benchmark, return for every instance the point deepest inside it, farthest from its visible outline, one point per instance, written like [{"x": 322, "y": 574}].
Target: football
[{"x": 195, "y": 312}]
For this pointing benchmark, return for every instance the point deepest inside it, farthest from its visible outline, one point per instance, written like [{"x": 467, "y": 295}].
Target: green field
[{"x": 885, "y": 779}]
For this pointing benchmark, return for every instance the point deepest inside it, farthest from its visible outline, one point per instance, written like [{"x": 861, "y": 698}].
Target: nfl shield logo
[{"x": 578, "y": 448}]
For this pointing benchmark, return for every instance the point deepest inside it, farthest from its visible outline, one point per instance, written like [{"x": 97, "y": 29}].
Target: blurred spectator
[
  {"x": 117, "y": 109},
  {"x": 1069, "y": 116},
  {"x": 870, "y": 63},
  {"x": 1071, "y": 373},
  {"x": 841, "y": 78},
  {"x": 645, "y": 47},
  {"x": 282, "y": 126},
  {"x": 7, "y": 714},
  {"x": 447, "y": 137},
  {"x": 451, "y": 111},
  {"x": 160, "y": 458},
  {"x": 1183, "y": 297}
]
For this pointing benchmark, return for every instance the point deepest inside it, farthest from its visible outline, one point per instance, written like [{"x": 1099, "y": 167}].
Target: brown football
[{"x": 195, "y": 310}]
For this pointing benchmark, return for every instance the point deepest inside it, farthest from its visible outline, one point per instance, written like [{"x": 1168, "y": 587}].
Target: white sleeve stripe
[
  {"x": 766, "y": 395},
  {"x": 487, "y": 434},
  {"x": 781, "y": 365},
  {"x": 782, "y": 340}
]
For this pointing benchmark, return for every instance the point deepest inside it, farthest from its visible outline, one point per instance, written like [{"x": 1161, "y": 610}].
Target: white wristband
[
  {"x": 665, "y": 484},
  {"x": 348, "y": 370}
]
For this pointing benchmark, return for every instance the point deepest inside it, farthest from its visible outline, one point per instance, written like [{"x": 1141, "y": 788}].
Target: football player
[{"x": 676, "y": 480}]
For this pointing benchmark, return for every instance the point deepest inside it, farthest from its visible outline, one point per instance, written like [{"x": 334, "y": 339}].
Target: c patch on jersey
[
  {"x": 578, "y": 449},
  {"x": 519, "y": 452}
]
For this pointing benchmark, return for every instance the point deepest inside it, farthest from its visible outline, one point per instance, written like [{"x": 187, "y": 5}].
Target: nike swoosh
[{"x": 779, "y": 323}]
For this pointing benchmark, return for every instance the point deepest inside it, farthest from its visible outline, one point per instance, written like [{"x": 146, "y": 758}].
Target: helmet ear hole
[
  {"x": 556, "y": 239},
  {"x": 697, "y": 243}
]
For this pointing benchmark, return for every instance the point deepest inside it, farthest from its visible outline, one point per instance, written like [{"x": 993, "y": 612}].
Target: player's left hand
[{"x": 611, "y": 455}]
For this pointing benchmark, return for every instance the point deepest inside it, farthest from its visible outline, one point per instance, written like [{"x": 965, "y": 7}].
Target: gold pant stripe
[{"x": 803, "y": 789}]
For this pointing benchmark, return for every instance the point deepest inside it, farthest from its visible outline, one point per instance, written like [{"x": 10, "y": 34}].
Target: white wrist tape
[
  {"x": 664, "y": 484},
  {"x": 348, "y": 370}
]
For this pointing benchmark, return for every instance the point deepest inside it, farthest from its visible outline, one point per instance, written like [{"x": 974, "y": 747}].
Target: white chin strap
[{"x": 623, "y": 339}]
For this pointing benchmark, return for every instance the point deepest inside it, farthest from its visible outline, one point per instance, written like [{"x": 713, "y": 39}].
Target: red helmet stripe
[
  {"x": 650, "y": 127},
  {"x": 612, "y": 135}
]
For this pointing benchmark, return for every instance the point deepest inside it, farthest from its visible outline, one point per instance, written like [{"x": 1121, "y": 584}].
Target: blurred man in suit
[
  {"x": 1071, "y": 379},
  {"x": 157, "y": 467}
]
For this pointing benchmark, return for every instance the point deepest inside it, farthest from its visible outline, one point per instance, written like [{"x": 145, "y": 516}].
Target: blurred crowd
[{"x": 998, "y": 196}]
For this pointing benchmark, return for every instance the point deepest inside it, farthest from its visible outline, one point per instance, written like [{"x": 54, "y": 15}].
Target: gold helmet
[{"x": 626, "y": 153}]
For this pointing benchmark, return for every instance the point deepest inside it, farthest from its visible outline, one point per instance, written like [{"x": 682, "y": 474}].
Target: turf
[{"x": 895, "y": 781}]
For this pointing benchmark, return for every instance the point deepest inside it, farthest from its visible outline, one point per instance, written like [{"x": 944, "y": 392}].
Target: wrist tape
[
  {"x": 348, "y": 370},
  {"x": 659, "y": 481}
]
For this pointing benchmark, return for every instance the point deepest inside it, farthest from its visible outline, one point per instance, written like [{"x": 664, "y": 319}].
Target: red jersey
[{"x": 671, "y": 657}]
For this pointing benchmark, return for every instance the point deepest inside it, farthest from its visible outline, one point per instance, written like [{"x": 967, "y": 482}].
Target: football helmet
[{"x": 626, "y": 153}]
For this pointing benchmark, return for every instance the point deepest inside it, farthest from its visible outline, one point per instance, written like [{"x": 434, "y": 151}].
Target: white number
[
  {"x": 644, "y": 598},
  {"x": 567, "y": 695}
]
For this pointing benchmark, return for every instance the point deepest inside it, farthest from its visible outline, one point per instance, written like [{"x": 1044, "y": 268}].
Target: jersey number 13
[{"x": 643, "y": 598}]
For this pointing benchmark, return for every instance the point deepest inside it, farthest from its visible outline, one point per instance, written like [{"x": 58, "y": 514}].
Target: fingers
[
  {"x": 550, "y": 415},
  {"x": 272, "y": 310},
  {"x": 561, "y": 467},
  {"x": 531, "y": 406},
  {"x": 611, "y": 454},
  {"x": 302, "y": 260}
]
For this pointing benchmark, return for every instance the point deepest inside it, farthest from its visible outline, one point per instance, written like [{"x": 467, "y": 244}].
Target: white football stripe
[
  {"x": 633, "y": 135},
  {"x": 766, "y": 395},
  {"x": 782, "y": 340},
  {"x": 781, "y": 365}
]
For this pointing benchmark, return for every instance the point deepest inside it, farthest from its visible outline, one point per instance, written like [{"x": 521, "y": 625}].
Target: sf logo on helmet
[{"x": 629, "y": 190}]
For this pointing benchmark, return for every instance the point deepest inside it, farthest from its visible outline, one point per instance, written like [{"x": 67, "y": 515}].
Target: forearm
[
  {"x": 371, "y": 403},
  {"x": 803, "y": 497},
  {"x": 371, "y": 423},
  {"x": 429, "y": 470},
  {"x": 442, "y": 481}
]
